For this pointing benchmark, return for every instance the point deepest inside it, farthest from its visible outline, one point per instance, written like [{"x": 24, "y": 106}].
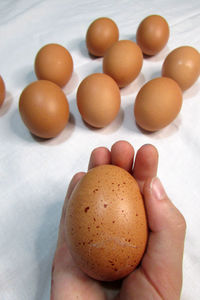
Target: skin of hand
[{"x": 159, "y": 275}]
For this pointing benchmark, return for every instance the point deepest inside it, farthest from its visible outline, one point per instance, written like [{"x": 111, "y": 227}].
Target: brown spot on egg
[
  {"x": 107, "y": 248},
  {"x": 87, "y": 208}
]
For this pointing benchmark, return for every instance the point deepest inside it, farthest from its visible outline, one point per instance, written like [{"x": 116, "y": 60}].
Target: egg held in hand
[{"x": 106, "y": 225}]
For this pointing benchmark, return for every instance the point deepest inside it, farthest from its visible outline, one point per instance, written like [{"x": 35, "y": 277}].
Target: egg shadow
[
  {"x": 6, "y": 104},
  {"x": 25, "y": 76},
  {"x": 192, "y": 91},
  {"x": 156, "y": 74},
  {"x": 30, "y": 77},
  {"x": 89, "y": 68},
  {"x": 18, "y": 126},
  {"x": 76, "y": 115},
  {"x": 130, "y": 37},
  {"x": 83, "y": 49},
  {"x": 98, "y": 68},
  {"x": 110, "y": 128},
  {"x": 160, "y": 56},
  {"x": 62, "y": 137},
  {"x": 48, "y": 228},
  {"x": 165, "y": 132},
  {"x": 111, "y": 288},
  {"x": 79, "y": 45},
  {"x": 72, "y": 84},
  {"x": 134, "y": 38},
  {"x": 22, "y": 131},
  {"x": 134, "y": 86},
  {"x": 129, "y": 120},
  {"x": 130, "y": 124}
]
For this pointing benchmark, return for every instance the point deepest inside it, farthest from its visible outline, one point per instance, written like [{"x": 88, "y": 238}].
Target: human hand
[{"x": 159, "y": 275}]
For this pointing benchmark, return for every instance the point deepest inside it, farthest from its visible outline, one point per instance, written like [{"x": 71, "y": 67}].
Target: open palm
[{"x": 159, "y": 275}]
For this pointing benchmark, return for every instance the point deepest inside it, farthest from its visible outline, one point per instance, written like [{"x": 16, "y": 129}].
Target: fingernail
[{"x": 157, "y": 189}]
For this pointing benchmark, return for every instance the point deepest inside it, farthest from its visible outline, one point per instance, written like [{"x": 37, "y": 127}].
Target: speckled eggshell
[{"x": 106, "y": 225}]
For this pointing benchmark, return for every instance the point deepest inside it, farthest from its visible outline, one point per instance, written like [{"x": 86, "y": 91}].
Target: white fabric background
[{"x": 34, "y": 174}]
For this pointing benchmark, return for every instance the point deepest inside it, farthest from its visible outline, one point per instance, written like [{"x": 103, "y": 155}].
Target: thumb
[{"x": 162, "y": 262}]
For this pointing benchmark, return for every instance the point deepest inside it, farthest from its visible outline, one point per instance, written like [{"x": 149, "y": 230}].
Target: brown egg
[
  {"x": 101, "y": 35},
  {"x": 157, "y": 104},
  {"x": 182, "y": 65},
  {"x": 106, "y": 225},
  {"x": 44, "y": 108},
  {"x": 53, "y": 62},
  {"x": 2, "y": 91},
  {"x": 123, "y": 62},
  {"x": 152, "y": 34},
  {"x": 98, "y": 100}
]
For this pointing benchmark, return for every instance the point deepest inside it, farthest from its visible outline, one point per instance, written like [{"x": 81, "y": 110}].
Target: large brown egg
[
  {"x": 44, "y": 108},
  {"x": 101, "y": 35},
  {"x": 152, "y": 34},
  {"x": 158, "y": 103},
  {"x": 53, "y": 62},
  {"x": 98, "y": 100},
  {"x": 106, "y": 225},
  {"x": 2, "y": 91},
  {"x": 182, "y": 65},
  {"x": 123, "y": 62}
]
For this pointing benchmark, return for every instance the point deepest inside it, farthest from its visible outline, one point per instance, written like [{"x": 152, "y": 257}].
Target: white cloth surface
[{"x": 34, "y": 174}]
